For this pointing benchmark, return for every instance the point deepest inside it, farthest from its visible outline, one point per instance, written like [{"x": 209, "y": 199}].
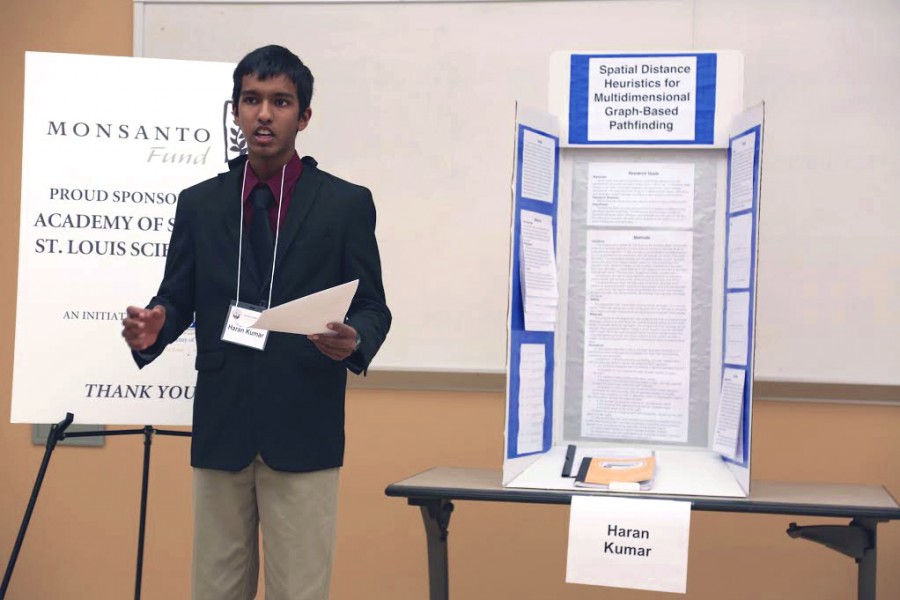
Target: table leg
[
  {"x": 436, "y": 516},
  {"x": 866, "y": 576},
  {"x": 856, "y": 539}
]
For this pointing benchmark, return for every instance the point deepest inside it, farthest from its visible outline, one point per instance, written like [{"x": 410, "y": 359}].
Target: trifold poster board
[{"x": 633, "y": 274}]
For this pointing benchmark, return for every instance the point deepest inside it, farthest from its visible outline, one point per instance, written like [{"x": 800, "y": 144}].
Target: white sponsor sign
[
  {"x": 629, "y": 543},
  {"x": 108, "y": 143}
]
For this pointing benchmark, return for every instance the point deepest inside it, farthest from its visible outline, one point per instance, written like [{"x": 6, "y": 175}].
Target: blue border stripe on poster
[
  {"x": 705, "y": 117},
  {"x": 705, "y": 99},
  {"x": 751, "y": 290},
  {"x": 518, "y": 335},
  {"x": 579, "y": 75}
]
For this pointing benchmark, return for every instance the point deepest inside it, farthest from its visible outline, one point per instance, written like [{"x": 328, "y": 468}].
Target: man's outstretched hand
[
  {"x": 338, "y": 346},
  {"x": 142, "y": 326}
]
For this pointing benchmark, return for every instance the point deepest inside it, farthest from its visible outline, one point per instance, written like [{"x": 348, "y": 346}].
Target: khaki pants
[{"x": 296, "y": 512}]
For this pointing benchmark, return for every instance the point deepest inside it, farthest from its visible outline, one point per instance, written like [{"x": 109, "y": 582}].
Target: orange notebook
[{"x": 601, "y": 472}]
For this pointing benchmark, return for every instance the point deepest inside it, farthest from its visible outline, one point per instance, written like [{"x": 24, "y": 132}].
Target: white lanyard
[{"x": 237, "y": 297}]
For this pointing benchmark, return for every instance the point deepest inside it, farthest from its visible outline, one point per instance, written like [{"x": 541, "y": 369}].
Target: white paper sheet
[
  {"x": 641, "y": 195},
  {"x": 637, "y": 338},
  {"x": 532, "y": 370},
  {"x": 310, "y": 314},
  {"x": 737, "y": 324},
  {"x": 740, "y": 231},
  {"x": 538, "y": 257},
  {"x": 740, "y": 184},
  {"x": 728, "y": 418},
  {"x": 540, "y": 314},
  {"x": 538, "y": 166},
  {"x": 629, "y": 543},
  {"x": 540, "y": 293}
]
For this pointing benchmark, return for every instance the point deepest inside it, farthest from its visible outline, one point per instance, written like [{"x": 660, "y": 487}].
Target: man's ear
[
  {"x": 234, "y": 112},
  {"x": 305, "y": 116}
]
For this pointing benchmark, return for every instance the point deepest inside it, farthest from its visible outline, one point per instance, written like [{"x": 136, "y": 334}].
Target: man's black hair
[{"x": 271, "y": 61}]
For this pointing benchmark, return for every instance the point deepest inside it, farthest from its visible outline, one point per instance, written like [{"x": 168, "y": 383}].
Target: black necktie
[{"x": 261, "y": 238}]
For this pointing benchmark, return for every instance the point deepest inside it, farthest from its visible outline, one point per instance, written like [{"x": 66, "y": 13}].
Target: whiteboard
[
  {"x": 416, "y": 101},
  {"x": 829, "y": 251}
]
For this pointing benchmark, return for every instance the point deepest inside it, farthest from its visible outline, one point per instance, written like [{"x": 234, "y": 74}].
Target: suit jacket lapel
[{"x": 306, "y": 193}]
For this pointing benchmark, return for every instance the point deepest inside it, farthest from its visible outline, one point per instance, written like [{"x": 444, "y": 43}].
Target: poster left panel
[{"x": 108, "y": 143}]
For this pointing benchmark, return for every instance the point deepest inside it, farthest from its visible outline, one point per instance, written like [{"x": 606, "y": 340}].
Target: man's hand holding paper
[
  {"x": 319, "y": 316},
  {"x": 338, "y": 343}
]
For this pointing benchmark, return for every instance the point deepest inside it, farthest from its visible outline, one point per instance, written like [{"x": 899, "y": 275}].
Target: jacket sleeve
[
  {"x": 368, "y": 312},
  {"x": 176, "y": 292}
]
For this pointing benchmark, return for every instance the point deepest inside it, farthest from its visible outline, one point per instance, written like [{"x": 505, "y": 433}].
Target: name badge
[{"x": 237, "y": 328}]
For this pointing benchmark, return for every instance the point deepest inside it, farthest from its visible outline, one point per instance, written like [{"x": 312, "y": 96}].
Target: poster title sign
[
  {"x": 102, "y": 167},
  {"x": 642, "y": 99}
]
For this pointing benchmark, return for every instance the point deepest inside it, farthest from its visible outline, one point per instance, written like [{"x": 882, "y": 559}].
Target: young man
[{"x": 268, "y": 426}]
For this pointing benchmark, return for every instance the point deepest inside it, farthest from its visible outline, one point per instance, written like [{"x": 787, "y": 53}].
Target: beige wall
[{"x": 82, "y": 539}]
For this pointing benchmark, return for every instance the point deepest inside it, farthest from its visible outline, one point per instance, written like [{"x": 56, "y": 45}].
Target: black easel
[{"x": 57, "y": 434}]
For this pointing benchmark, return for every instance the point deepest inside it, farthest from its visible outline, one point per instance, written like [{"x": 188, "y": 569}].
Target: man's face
[{"x": 268, "y": 113}]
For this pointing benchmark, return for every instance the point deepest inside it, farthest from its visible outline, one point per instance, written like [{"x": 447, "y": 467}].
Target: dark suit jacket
[{"x": 286, "y": 402}]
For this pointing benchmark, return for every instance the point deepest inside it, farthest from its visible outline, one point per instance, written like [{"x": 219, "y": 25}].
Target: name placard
[{"x": 629, "y": 543}]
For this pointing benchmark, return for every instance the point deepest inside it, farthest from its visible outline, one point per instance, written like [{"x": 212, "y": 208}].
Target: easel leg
[
  {"x": 436, "y": 516},
  {"x": 57, "y": 432},
  {"x": 145, "y": 480}
]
